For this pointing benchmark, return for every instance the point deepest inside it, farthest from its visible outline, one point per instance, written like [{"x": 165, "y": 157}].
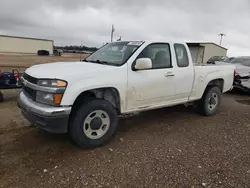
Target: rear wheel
[
  {"x": 210, "y": 102},
  {"x": 94, "y": 124}
]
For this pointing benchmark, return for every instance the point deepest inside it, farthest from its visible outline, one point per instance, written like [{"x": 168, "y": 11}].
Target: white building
[
  {"x": 14, "y": 44},
  {"x": 202, "y": 51}
]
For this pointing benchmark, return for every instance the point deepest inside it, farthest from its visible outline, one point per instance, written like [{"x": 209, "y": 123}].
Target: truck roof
[{"x": 152, "y": 41}]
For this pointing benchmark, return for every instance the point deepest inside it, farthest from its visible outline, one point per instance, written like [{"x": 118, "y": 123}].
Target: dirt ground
[
  {"x": 170, "y": 147},
  {"x": 21, "y": 62}
]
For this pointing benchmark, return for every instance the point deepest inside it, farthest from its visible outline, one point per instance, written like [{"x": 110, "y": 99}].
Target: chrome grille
[{"x": 29, "y": 92}]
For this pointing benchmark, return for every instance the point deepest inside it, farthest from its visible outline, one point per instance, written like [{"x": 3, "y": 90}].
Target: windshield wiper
[{"x": 98, "y": 61}]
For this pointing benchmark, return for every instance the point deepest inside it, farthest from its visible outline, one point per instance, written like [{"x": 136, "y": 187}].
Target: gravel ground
[{"x": 171, "y": 147}]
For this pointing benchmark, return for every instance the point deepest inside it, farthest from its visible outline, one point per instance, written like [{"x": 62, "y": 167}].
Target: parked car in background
[
  {"x": 213, "y": 59},
  {"x": 242, "y": 72},
  {"x": 43, "y": 52},
  {"x": 230, "y": 59}
]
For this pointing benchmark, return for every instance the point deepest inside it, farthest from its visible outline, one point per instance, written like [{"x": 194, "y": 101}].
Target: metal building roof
[
  {"x": 30, "y": 38},
  {"x": 200, "y": 43}
]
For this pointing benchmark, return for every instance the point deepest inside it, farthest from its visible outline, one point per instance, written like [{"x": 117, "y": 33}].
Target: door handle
[{"x": 168, "y": 74}]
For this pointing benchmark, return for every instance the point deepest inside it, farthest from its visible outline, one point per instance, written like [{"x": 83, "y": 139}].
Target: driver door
[{"x": 152, "y": 87}]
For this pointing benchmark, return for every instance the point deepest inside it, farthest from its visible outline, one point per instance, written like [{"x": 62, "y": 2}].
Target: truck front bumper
[{"x": 48, "y": 118}]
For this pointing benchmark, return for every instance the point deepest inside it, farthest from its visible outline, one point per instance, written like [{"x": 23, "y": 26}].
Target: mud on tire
[
  {"x": 87, "y": 126},
  {"x": 210, "y": 102}
]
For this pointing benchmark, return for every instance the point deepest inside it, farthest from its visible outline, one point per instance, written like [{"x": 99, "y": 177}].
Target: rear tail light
[{"x": 235, "y": 73}]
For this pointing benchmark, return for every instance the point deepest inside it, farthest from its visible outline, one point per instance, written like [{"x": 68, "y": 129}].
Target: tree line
[{"x": 76, "y": 48}]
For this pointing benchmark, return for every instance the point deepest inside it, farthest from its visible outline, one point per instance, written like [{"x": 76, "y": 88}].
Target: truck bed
[{"x": 204, "y": 73}]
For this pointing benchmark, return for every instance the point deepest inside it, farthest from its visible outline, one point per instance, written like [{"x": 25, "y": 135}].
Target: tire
[
  {"x": 1, "y": 97},
  {"x": 81, "y": 126},
  {"x": 205, "y": 107}
]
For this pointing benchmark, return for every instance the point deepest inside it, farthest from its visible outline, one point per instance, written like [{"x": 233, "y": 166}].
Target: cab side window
[
  {"x": 181, "y": 55},
  {"x": 159, "y": 54}
]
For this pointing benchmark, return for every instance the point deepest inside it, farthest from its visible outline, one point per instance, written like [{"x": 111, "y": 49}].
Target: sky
[{"x": 72, "y": 22}]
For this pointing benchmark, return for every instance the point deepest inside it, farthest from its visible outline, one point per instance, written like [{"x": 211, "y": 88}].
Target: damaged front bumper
[
  {"x": 48, "y": 118},
  {"x": 242, "y": 83}
]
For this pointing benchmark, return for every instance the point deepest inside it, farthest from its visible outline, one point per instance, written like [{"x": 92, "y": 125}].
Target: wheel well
[
  {"x": 109, "y": 94},
  {"x": 217, "y": 82}
]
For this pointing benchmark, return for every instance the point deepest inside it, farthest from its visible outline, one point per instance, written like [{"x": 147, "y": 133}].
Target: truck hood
[{"x": 64, "y": 70}]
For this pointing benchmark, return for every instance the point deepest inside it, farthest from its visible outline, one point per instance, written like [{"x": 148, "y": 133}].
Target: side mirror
[{"x": 143, "y": 63}]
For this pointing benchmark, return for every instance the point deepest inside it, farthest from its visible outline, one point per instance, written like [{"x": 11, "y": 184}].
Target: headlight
[
  {"x": 52, "y": 92},
  {"x": 52, "y": 83},
  {"x": 49, "y": 98}
]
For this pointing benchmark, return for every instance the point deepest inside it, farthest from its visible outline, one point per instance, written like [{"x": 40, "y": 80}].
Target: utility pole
[
  {"x": 81, "y": 51},
  {"x": 221, "y": 36},
  {"x": 112, "y": 32}
]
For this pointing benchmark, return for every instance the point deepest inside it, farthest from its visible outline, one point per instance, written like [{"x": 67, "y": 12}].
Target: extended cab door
[
  {"x": 184, "y": 73},
  {"x": 147, "y": 88}
]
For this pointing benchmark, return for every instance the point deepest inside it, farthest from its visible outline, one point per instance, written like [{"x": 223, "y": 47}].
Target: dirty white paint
[{"x": 138, "y": 90}]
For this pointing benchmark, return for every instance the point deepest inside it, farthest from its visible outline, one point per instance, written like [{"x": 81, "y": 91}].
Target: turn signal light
[
  {"x": 60, "y": 83},
  {"x": 57, "y": 98}
]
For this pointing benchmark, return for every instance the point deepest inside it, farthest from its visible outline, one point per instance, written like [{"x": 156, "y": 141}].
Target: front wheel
[
  {"x": 210, "y": 102},
  {"x": 93, "y": 124}
]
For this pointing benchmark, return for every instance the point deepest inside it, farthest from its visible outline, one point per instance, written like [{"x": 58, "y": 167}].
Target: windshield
[
  {"x": 115, "y": 53},
  {"x": 242, "y": 61}
]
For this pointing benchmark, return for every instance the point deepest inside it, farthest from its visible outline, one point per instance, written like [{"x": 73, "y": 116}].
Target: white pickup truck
[{"x": 85, "y": 98}]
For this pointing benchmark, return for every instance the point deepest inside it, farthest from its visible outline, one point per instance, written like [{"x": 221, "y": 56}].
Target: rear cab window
[{"x": 181, "y": 55}]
